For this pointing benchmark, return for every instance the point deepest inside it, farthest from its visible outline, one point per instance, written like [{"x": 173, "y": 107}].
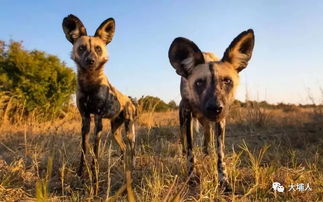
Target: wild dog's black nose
[
  {"x": 213, "y": 106},
  {"x": 90, "y": 61}
]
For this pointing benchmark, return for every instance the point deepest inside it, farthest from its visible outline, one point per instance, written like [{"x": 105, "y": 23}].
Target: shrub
[
  {"x": 33, "y": 82},
  {"x": 155, "y": 104}
]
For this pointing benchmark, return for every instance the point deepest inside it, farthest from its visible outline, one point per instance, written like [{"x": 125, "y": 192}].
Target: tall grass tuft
[
  {"x": 42, "y": 185},
  {"x": 255, "y": 161}
]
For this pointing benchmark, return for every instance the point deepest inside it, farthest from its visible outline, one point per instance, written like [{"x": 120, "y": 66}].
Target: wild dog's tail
[{"x": 134, "y": 101}]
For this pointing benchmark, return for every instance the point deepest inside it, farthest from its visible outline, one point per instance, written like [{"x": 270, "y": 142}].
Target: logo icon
[{"x": 278, "y": 187}]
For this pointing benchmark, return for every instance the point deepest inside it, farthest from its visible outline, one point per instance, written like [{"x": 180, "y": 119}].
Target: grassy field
[{"x": 39, "y": 161}]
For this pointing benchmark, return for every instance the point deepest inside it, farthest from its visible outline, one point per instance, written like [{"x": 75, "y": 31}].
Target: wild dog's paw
[
  {"x": 194, "y": 180},
  {"x": 225, "y": 186}
]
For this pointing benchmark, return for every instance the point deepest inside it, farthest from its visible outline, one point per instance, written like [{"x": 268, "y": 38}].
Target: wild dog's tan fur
[
  {"x": 95, "y": 94},
  {"x": 210, "y": 57},
  {"x": 208, "y": 87},
  {"x": 100, "y": 78},
  {"x": 97, "y": 77}
]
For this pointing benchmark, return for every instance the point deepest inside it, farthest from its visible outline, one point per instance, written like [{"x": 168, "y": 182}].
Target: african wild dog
[
  {"x": 208, "y": 88},
  {"x": 95, "y": 95}
]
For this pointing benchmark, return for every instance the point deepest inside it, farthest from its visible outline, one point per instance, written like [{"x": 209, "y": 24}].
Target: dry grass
[{"x": 39, "y": 161}]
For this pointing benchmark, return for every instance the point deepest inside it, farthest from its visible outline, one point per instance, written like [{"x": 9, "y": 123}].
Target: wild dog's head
[
  {"x": 209, "y": 85},
  {"x": 89, "y": 52}
]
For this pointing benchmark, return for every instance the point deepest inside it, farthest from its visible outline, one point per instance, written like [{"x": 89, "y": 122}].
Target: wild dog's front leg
[
  {"x": 208, "y": 137},
  {"x": 86, "y": 121},
  {"x": 187, "y": 136},
  {"x": 222, "y": 174},
  {"x": 182, "y": 128},
  {"x": 97, "y": 134},
  {"x": 130, "y": 157},
  {"x": 97, "y": 138}
]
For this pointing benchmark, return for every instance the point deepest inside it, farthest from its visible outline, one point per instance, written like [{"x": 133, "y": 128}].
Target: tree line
[
  {"x": 34, "y": 83},
  {"x": 40, "y": 84}
]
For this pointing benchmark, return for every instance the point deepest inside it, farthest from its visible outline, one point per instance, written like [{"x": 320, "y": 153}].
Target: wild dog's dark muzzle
[
  {"x": 213, "y": 108},
  {"x": 89, "y": 61}
]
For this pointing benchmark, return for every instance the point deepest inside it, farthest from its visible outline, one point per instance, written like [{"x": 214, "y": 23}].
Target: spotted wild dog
[
  {"x": 95, "y": 95},
  {"x": 207, "y": 88}
]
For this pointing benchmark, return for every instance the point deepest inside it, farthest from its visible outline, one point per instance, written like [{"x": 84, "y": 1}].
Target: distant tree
[
  {"x": 33, "y": 81},
  {"x": 172, "y": 105},
  {"x": 238, "y": 103},
  {"x": 150, "y": 103}
]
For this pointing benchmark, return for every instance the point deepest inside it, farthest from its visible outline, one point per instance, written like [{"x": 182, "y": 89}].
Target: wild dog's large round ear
[
  {"x": 184, "y": 55},
  {"x": 73, "y": 28},
  {"x": 240, "y": 50},
  {"x": 106, "y": 30}
]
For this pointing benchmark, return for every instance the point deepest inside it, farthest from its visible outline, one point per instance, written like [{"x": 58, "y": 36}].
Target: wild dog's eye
[
  {"x": 199, "y": 82},
  {"x": 81, "y": 48},
  {"x": 227, "y": 81},
  {"x": 199, "y": 86},
  {"x": 98, "y": 49}
]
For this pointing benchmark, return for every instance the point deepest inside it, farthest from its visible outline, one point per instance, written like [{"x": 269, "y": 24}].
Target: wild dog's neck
[{"x": 94, "y": 77}]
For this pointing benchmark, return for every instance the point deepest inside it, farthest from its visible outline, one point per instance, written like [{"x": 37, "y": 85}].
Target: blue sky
[{"x": 287, "y": 63}]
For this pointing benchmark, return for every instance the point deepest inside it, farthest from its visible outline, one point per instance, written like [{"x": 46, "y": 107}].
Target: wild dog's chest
[{"x": 98, "y": 99}]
